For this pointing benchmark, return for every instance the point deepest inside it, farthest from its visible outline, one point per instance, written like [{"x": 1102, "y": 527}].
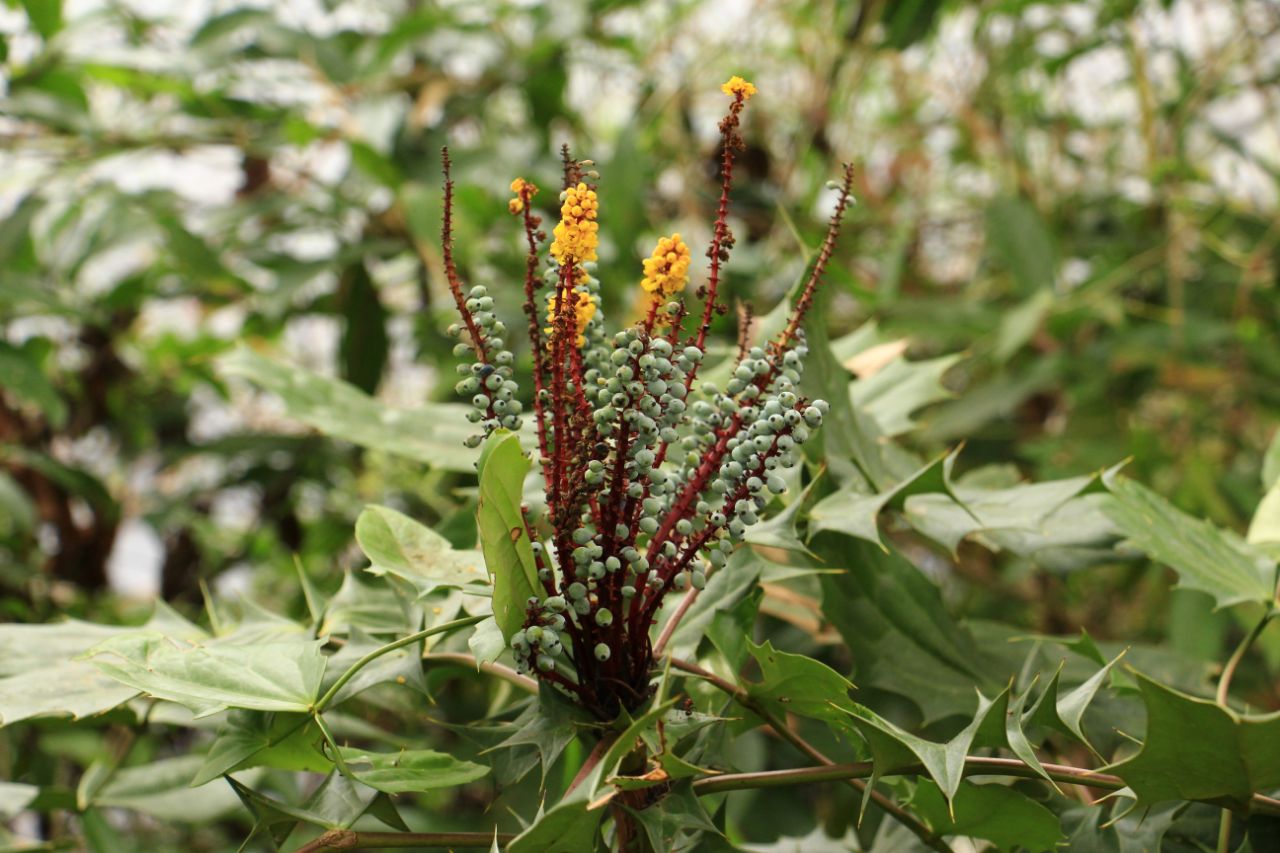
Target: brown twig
[{"x": 350, "y": 839}]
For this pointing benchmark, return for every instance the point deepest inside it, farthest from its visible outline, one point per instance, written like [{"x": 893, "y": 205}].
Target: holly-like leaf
[
  {"x": 396, "y": 544},
  {"x": 568, "y": 827},
  {"x": 411, "y": 770},
  {"x": 988, "y": 514},
  {"x": 1007, "y": 818},
  {"x": 892, "y": 394},
  {"x": 675, "y": 821},
  {"x": 800, "y": 685},
  {"x": 508, "y": 554},
  {"x": 1206, "y": 557},
  {"x": 893, "y": 748},
  {"x": 902, "y": 638},
  {"x": 431, "y": 433},
  {"x": 1195, "y": 749},
  {"x": 855, "y": 511},
  {"x": 1065, "y": 713},
  {"x": 261, "y": 739},
  {"x": 266, "y": 676}
]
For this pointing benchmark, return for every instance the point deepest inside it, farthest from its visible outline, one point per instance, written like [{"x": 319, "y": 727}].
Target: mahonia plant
[{"x": 651, "y": 477}]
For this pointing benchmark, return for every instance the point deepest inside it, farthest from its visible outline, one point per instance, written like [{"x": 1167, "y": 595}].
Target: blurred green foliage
[{"x": 1066, "y": 241}]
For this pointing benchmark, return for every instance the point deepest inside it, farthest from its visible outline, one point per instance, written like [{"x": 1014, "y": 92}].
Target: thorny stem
[
  {"x": 784, "y": 340},
  {"x": 538, "y": 348},
  {"x": 973, "y": 766},
  {"x": 451, "y": 267}
]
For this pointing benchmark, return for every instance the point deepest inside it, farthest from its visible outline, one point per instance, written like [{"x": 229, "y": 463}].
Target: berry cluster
[{"x": 652, "y": 476}]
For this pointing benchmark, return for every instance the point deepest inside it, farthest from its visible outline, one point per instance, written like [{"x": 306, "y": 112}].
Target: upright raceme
[{"x": 651, "y": 475}]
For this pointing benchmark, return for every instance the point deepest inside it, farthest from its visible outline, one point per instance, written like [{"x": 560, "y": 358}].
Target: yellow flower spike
[
  {"x": 577, "y": 234},
  {"x": 666, "y": 271},
  {"x": 738, "y": 87},
  {"x": 521, "y": 188},
  {"x": 584, "y": 308}
]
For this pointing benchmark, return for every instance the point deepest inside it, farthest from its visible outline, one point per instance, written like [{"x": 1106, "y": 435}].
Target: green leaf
[
  {"x": 994, "y": 516},
  {"x": 731, "y": 629},
  {"x": 1205, "y": 557},
  {"x": 1018, "y": 237},
  {"x": 508, "y": 554},
  {"x": 853, "y": 511},
  {"x": 1066, "y": 713},
  {"x": 72, "y": 689},
  {"x": 1265, "y": 525},
  {"x": 363, "y": 348},
  {"x": 725, "y": 589},
  {"x": 1021, "y": 324},
  {"x": 45, "y": 16},
  {"x": 799, "y": 684},
  {"x": 486, "y": 642},
  {"x": 411, "y": 770},
  {"x": 568, "y": 827},
  {"x": 398, "y": 545},
  {"x": 1195, "y": 749},
  {"x": 431, "y": 433},
  {"x": 894, "y": 393},
  {"x": 160, "y": 789},
  {"x": 400, "y": 666},
  {"x": 25, "y": 380},
  {"x": 43, "y": 680},
  {"x": 1271, "y": 464},
  {"x": 674, "y": 821},
  {"x": 850, "y": 440},
  {"x": 266, "y": 676},
  {"x": 893, "y": 748},
  {"x": 1003, "y": 816},
  {"x": 259, "y": 739},
  {"x": 549, "y": 725},
  {"x": 901, "y": 636}
]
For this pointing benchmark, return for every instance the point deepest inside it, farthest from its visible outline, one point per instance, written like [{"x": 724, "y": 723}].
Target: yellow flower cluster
[
  {"x": 584, "y": 308},
  {"x": 518, "y": 186},
  {"x": 737, "y": 86},
  {"x": 666, "y": 271},
  {"x": 577, "y": 235}
]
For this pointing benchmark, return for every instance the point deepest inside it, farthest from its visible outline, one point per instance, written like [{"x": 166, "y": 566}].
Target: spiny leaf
[
  {"x": 1205, "y": 557},
  {"x": 799, "y": 684},
  {"x": 893, "y": 748},
  {"x": 1007, "y": 818},
  {"x": 1195, "y": 749},
  {"x": 508, "y": 554},
  {"x": 902, "y": 638},
  {"x": 891, "y": 395},
  {"x": 854, "y": 511}
]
